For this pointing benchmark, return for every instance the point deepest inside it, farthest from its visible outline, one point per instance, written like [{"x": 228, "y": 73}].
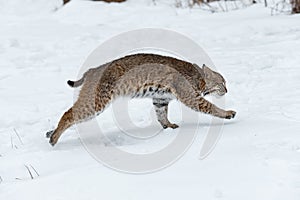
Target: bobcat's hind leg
[
  {"x": 65, "y": 122},
  {"x": 78, "y": 113},
  {"x": 161, "y": 109}
]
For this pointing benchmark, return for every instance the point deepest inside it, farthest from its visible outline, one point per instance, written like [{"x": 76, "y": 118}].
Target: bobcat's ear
[
  {"x": 207, "y": 71},
  {"x": 200, "y": 70}
]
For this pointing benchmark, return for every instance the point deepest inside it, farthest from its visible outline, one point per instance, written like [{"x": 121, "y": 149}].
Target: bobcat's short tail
[{"x": 76, "y": 83}]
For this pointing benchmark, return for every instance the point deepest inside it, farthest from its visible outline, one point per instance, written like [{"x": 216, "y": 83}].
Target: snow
[{"x": 43, "y": 45}]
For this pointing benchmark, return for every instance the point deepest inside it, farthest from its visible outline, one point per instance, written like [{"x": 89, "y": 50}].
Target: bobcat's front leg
[
  {"x": 202, "y": 105},
  {"x": 161, "y": 109},
  {"x": 209, "y": 108}
]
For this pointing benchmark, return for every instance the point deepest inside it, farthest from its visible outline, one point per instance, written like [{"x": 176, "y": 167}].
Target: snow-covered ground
[{"x": 257, "y": 157}]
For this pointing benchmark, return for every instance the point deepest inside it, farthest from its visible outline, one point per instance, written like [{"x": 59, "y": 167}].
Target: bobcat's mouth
[
  {"x": 208, "y": 91},
  {"x": 205, "y": 93},
  {"x": 211, "y": 92}
]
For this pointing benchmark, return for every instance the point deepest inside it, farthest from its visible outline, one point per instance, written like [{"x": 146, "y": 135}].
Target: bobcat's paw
[
  {"x": 173, "y": 126},
  {"x": 49, "y": 133},
  {"x": 230, "y": 114},
  {"x": 53, "y": 139}
]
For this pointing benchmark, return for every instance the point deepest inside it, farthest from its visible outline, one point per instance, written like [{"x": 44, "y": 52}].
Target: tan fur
[{"x": 158, "y": 77}]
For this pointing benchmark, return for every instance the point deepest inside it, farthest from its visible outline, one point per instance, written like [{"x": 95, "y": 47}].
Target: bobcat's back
[{"x": 136, "y": 74}]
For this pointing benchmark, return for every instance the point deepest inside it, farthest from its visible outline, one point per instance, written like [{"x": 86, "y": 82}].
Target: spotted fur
[{"x": 153, "y": 76}]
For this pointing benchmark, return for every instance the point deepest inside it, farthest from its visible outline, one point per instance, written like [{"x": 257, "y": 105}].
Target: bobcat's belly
[{"x": 153, "y": 92}]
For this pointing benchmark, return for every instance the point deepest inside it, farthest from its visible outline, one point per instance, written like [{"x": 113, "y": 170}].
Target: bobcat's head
[{"x": 215, "y": 84}]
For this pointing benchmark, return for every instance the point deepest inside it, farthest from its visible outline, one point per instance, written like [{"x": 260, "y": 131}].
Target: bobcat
[{"x": 154, "y": 76}]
